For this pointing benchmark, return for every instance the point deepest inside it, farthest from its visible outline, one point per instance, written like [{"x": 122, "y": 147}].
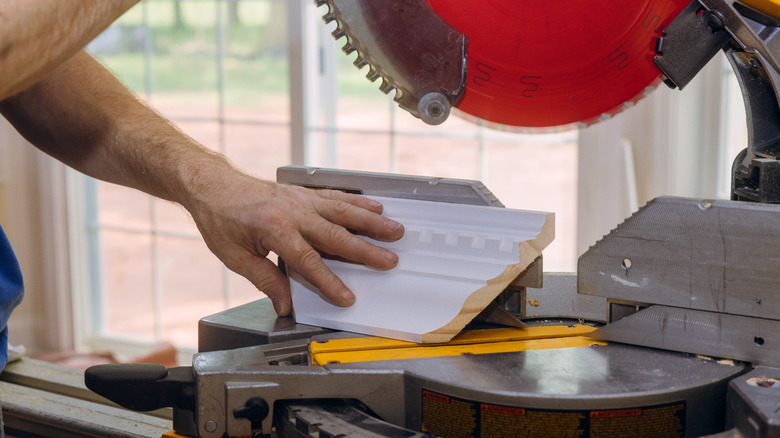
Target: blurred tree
[
  {"x": 178, "y": 16},
  {"x": 275, "y": 35},
  {"x": 233, "y": 16}
]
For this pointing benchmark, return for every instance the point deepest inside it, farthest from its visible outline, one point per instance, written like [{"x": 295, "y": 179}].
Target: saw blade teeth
[
  {"x": 372, "y": 74},
  {"x": 353, "y": 45},
  {"x": 338, "y": 33},
  {"x": 360, "y": 62},
  {"x": 399, "y": 94},
  {"x": 349, "y": 47},
  {"x": 386, "y": 87}
]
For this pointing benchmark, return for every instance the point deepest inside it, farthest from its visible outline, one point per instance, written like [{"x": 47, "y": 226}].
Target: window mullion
[{"x": 299, "y": 33}]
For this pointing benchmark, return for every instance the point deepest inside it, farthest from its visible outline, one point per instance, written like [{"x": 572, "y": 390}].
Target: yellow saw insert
[{"x": 505, "y": 340}]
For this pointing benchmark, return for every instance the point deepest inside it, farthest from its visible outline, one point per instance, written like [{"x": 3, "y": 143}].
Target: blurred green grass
[{"x": 183, "y": 41}]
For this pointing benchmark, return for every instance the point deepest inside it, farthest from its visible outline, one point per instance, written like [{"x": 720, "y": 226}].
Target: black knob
[{"x": 255, "y": 410}]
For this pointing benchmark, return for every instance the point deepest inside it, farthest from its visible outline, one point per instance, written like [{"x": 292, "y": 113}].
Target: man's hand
[{"x": 242, "y": 219}]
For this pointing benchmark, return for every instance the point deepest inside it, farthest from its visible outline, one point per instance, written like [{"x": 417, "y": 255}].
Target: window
[{"x": 219, "y": 70}]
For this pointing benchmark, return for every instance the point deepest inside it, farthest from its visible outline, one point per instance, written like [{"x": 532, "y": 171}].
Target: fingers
[
  {"x": 330, "y": 231},
  {"x": 337, "y": 241},
  {"x": 267, "y": 277},
  {"x": 357, "y": 200},
  {"x": 358, "y": 213},
  {"x": 304, "y": 259}
]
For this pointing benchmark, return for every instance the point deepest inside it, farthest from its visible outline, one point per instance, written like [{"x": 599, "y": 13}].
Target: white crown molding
[{"x": 453, "y": 261}]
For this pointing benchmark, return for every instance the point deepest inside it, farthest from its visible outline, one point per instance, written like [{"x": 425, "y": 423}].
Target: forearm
[
  {"x": 38, "y": 35},
  {"x": 82, "y": 115}
]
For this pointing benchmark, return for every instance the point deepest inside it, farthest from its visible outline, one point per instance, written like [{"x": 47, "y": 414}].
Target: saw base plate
[{"x": 579, "y": 391}]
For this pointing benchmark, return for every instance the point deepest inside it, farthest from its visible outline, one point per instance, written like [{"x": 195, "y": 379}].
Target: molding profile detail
[{"x": 454, "y": 260}]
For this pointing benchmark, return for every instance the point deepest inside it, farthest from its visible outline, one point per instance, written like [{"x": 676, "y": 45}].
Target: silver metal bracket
[{"x": 707, "y": 270}]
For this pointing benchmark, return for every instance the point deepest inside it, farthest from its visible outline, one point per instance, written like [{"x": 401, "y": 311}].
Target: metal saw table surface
[{"x": 686, "y": 391}]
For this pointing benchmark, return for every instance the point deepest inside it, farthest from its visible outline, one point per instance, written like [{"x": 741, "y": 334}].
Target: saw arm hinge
[{"x": 747, "y": 33}]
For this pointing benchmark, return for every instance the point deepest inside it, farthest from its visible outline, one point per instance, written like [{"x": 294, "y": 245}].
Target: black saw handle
[{"x": 143, "y": 387}]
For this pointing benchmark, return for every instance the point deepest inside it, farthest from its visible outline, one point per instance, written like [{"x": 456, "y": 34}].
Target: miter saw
[{"x": 684, "y": 291}]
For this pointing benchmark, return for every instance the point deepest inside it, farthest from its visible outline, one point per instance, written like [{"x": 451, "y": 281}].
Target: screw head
[
  {"x": 714, "y": 20},
  {"x": 433, "y": 108}
]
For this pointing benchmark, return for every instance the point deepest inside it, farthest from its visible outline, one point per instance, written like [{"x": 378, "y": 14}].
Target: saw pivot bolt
[
  {"x": 433, "y": 108},
  {"x": 255, "y": 410}
]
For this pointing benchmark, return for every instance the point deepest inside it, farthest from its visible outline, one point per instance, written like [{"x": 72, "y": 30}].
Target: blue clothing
[{"x": 11, "y": 291}]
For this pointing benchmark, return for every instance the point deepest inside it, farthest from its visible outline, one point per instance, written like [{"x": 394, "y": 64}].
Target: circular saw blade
[{"x": 557, "y": 62}]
